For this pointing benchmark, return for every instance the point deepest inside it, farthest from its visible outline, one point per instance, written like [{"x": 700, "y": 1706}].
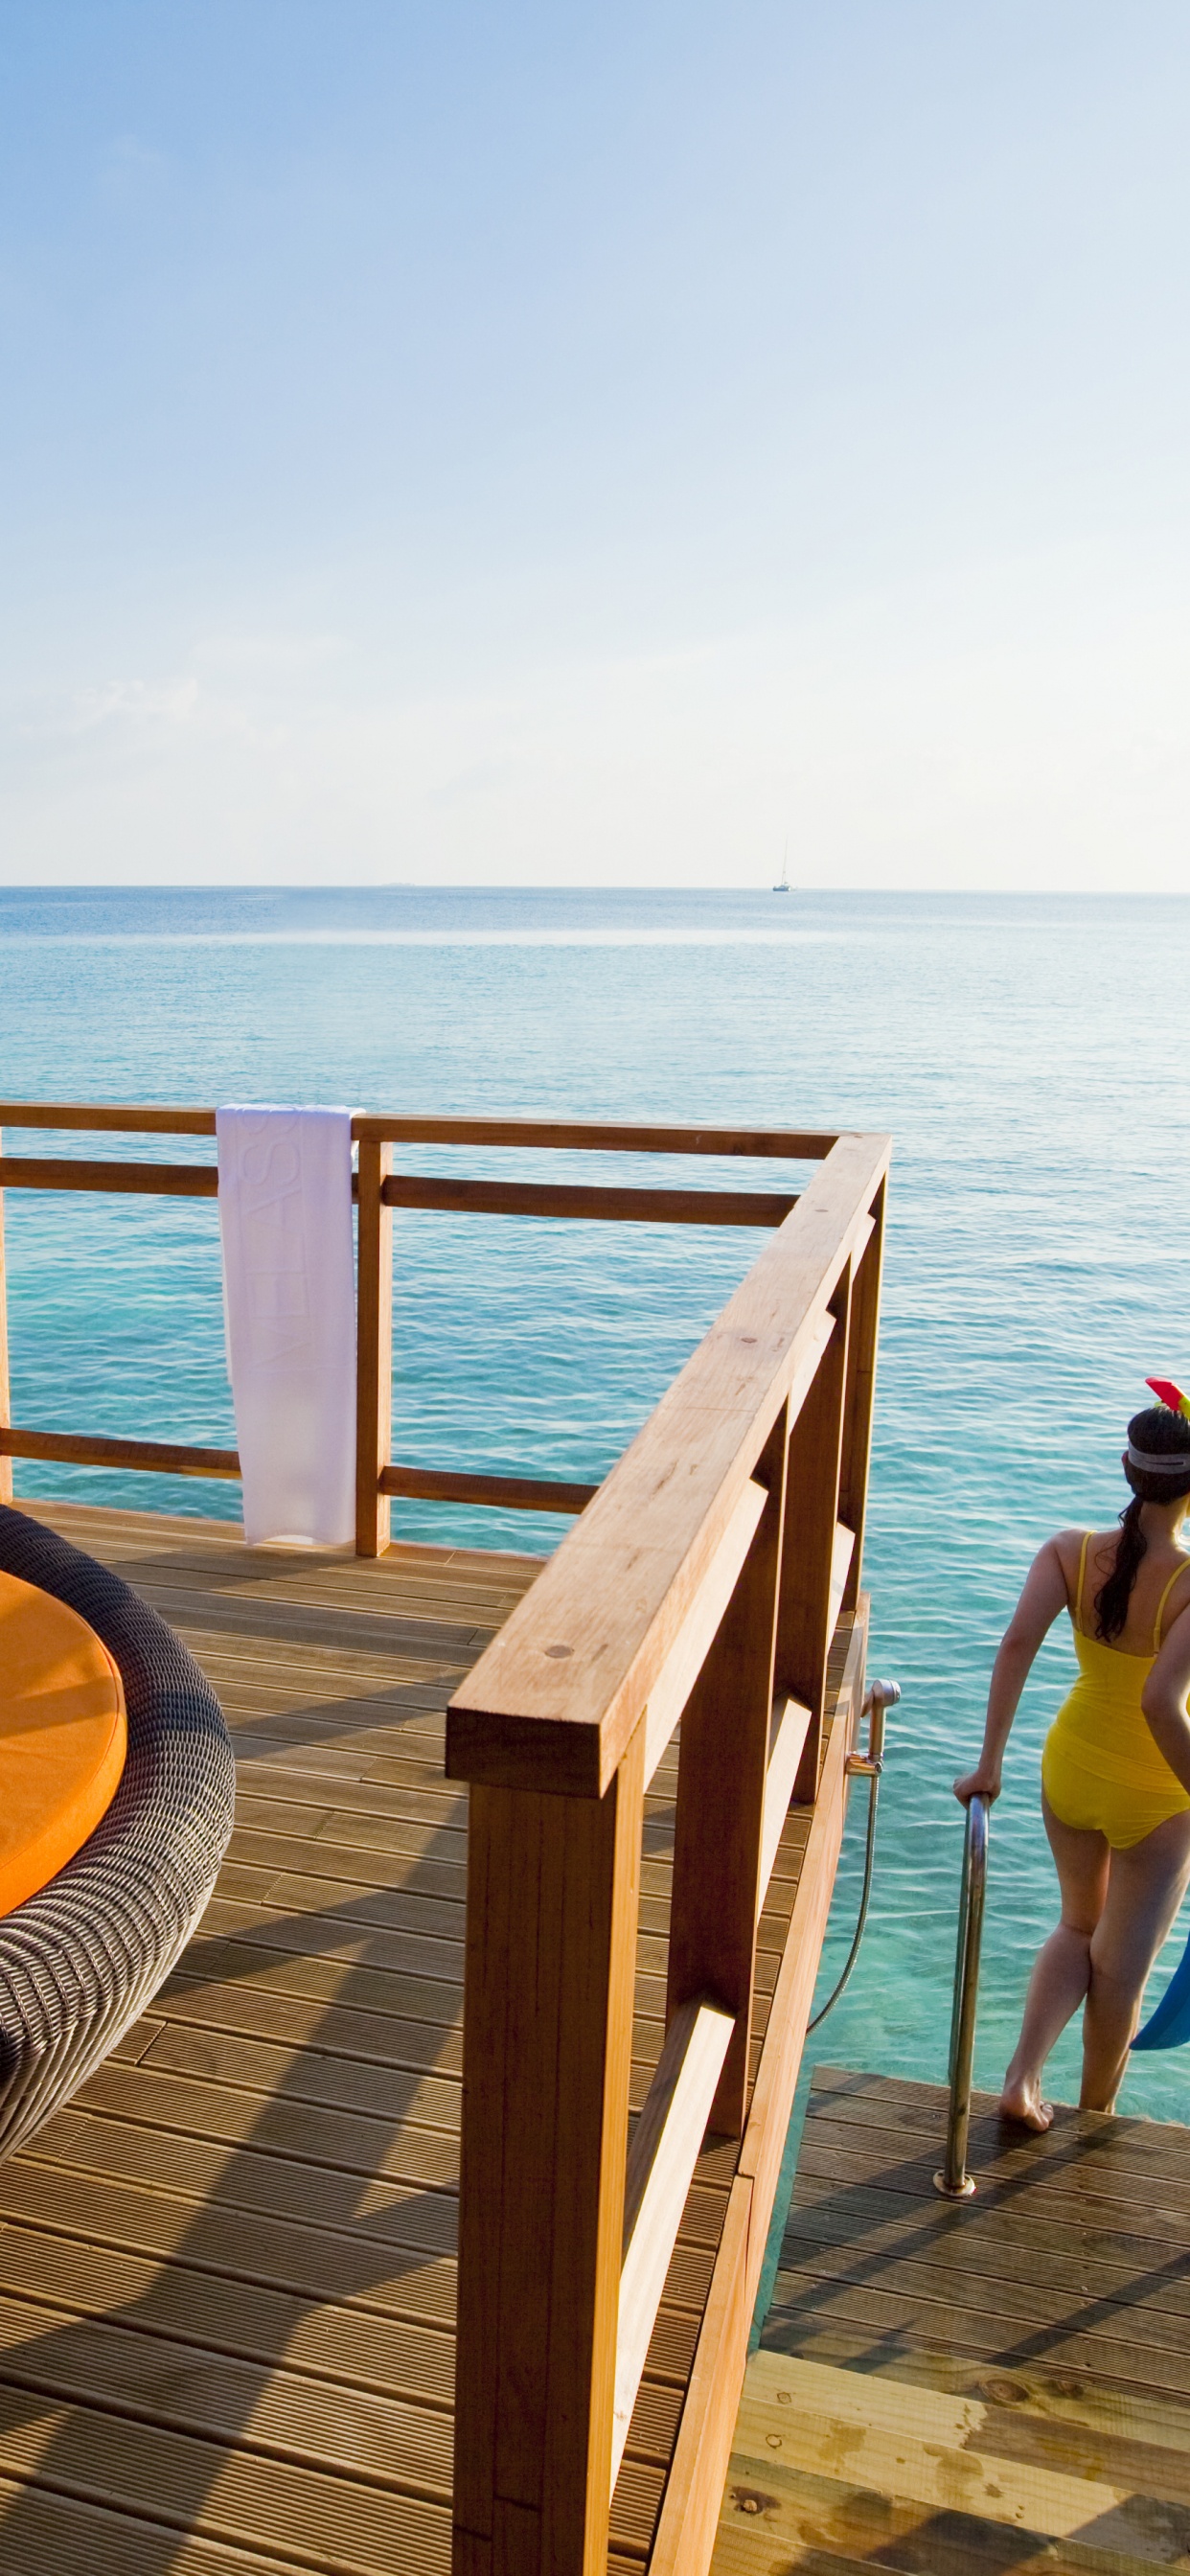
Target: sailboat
[{"x": 782, "y": 885}]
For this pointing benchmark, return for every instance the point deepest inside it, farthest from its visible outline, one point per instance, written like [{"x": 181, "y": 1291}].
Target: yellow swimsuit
[{"x": 1100, "y": 1768}]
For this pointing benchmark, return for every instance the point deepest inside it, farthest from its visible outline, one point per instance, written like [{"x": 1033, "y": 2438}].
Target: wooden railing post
[
  {"x": 374, "y": 1351},
  {"x": 722, "y": 1770},
  {"x": 859, "y": 1394},
  {"x": 552, "y": 1901},
  {"x": 804, "y": 1618},
  {"x": 5, "y": 1391}
]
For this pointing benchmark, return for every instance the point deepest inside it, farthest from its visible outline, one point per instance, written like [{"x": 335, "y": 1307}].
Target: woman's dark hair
[{"x": 1164, "y": 1434}]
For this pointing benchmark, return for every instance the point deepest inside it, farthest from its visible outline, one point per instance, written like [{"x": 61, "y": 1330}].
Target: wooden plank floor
[
  {"x": 227, "y": 2268},
  {"x": 1001, "y": 2384}
]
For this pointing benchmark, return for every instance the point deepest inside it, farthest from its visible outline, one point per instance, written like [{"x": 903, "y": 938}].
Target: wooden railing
[
  {"x": 708, "y": 1580},
  {"x": 706, "y": 1583},
  {"x": 378, "y": 1189}
]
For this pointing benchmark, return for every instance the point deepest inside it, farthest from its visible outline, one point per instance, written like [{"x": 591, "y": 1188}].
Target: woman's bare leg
[
  {"x": 1062, "y": 1970},
  {"x": 1145, "y": 1888}
]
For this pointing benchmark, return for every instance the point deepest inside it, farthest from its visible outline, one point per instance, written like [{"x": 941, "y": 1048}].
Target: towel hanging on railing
[{"x": 289, "y": 1307}]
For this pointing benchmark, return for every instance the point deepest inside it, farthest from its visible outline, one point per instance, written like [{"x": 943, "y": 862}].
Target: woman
[{"x": 1115, "y": 1771}]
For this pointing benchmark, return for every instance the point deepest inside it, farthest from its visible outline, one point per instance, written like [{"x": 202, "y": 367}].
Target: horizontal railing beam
[
  {"x": 80, "y": 1449},
  {"x": 586, "y": 1136},
  {"x": 511, "y": 1493},
  {"x": 587, "y": 1200},
  {"x": 791, "y": 1722},
  {"x": 789, "y": 2010},
  {"x": 684, "y": 2533},
  {"x": 452, "y": 1197},
  {"x": 142, "y": 1180},
  {"x": 172, "y": 1458},
  {"x": 842, "y": 1553},
  {"x": 97, "y": 1117},
  {"x": 661, "y": 2160},
  {"x": 550, "y": 1135}
]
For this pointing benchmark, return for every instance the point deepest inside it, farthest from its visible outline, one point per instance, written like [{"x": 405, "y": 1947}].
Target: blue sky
[{"x": 527, "y": 444}]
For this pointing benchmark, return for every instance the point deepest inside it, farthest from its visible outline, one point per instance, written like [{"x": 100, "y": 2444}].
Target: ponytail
[
  {"x": 1157, "y": 1434},
  {"x": 1113, "y": 1597}
]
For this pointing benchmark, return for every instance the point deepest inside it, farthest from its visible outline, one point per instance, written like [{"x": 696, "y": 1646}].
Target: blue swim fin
[{"x": 1169, "y": 2025}]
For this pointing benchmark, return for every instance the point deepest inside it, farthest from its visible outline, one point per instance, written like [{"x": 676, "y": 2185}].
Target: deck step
[
  {"x": 838, "y": 2461},
  {"x": 1001, "y": 2384}
]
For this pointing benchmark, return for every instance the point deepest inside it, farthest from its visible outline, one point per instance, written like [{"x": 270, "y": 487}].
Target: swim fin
[{"x": 1168, "y": 2026}]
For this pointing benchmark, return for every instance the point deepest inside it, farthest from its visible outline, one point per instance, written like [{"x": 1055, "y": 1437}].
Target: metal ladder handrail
[{"x": 954, "y": 2180}]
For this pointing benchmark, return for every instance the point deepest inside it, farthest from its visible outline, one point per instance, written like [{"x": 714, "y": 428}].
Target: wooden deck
[
  {"x": 1001, "y": 2384},
  {"x": 227, "y": 2286}
]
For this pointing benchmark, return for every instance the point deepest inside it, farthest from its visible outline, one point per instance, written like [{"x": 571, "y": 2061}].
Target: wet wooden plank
[
  {"x": 999, "y": 2383},
  {"x": 917, "y": 2447}
]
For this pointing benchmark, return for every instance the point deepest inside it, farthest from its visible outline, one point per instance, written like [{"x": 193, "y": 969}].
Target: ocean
[{"x": 1027, "y": 1054}]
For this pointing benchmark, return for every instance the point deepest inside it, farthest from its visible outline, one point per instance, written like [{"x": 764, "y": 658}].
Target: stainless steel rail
[
  {"x": 954, "y": 2180},
  {"x": 865, "y": 1766}
]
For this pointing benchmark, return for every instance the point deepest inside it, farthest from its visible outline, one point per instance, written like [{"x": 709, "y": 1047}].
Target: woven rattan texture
[{"x": 81, "y": 1959}]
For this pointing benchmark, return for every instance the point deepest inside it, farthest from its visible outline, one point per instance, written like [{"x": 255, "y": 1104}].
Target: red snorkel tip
[{"x": 1167, "y": 1393}]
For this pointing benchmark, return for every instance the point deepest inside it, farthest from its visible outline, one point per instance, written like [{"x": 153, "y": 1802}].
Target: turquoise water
[{"x": 1026, "y": 1054}]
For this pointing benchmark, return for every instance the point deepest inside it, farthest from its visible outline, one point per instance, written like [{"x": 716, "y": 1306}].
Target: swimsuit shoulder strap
[
  {"x": 1178, "y": 1569},
  {"x": 1082, "y": 1568}
]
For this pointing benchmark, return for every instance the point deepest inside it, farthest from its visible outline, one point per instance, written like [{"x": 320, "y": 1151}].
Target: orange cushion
[{"x": 63, "y": 1737}]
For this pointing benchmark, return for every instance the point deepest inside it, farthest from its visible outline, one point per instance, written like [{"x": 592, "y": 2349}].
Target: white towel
[{"x": 289, "y": 1304}]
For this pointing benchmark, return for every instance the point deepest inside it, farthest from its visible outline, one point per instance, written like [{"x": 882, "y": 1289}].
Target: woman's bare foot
[{"x": 1022, "y": 2101}]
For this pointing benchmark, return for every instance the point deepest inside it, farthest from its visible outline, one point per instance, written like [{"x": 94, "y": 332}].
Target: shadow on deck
[{"x": 227, "y": 2269}]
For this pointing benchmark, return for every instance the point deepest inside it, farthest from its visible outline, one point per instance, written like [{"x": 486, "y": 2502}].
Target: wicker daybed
[{"x": 80, "y": 1960}]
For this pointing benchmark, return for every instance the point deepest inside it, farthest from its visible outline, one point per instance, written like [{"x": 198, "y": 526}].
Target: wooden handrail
[
  {"x": 553, "y": 1702},
  {"x": 584, "y": 1136},
  {"x": 377, "y": 1191},
  {"x": 704, "y": 1582},
  {"x": 99, "y": 1117},
  {"x": 794, "y": 1144}
]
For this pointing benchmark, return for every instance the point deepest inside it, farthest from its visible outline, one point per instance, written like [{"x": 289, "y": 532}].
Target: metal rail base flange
[{"x": 964, "y": 2190}]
